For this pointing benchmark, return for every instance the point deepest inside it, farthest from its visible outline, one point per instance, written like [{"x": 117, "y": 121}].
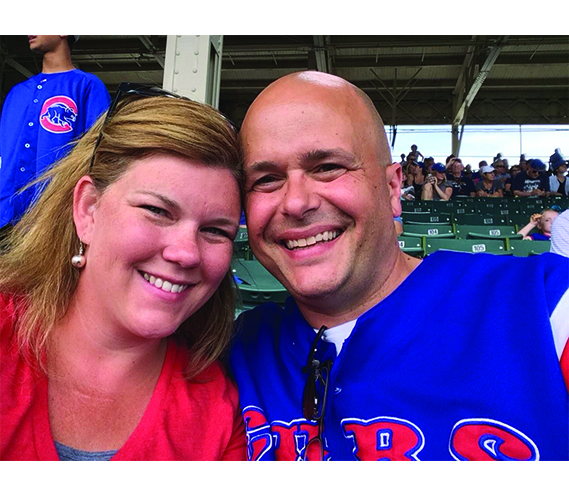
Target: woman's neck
[{"x": 89, "y": 351}]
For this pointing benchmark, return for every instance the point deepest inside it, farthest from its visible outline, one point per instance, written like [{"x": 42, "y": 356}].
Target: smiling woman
[{"x": 116, "y": 297}]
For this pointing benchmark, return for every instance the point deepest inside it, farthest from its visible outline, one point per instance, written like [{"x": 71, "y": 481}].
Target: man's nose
[{"x": 300, "y": 197}]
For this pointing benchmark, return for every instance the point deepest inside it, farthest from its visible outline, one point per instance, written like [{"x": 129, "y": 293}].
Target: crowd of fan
[{"x": 425, "y": 179}]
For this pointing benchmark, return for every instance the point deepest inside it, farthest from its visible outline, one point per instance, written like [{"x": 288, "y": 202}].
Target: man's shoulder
[
  {"x": 85, "y": 78},
  {"x": 19, "y": 88},
  {"x": 263, "y": 317},
  {"x": 482, "y": 262}
]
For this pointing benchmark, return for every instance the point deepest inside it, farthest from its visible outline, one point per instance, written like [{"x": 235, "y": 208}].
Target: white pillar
[{"x": 193, "y": 67}]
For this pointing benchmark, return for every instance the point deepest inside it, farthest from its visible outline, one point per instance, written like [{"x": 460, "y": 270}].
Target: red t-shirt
[{"x": 183, "y": 420}]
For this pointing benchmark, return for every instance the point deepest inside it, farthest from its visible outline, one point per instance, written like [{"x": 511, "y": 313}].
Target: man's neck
[
  {"x": 325, "y": 311},
  {"x": 58, "y": 61}
]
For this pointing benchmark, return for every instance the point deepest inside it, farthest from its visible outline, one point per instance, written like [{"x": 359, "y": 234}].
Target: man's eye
[
  {"x": 266, "y": 179},
  {"x": 217, "y": 232},
  {"x": 266, "y": 183},
  {"x": 328, "y": 167}
]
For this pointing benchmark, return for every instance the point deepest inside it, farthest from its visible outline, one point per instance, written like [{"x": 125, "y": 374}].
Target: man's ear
[
  {"x": 394, "y": 177},
  {"x": 85, "y": 199}
]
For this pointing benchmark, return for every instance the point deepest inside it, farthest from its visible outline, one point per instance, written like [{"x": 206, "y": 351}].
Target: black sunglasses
[
  {"x": 127, "y": 89},
  {"x": 133, "y": 90},
  {"x": 315, "y": 393}
]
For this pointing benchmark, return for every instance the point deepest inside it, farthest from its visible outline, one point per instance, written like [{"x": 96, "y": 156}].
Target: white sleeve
[{"x": 560, "y": 324}]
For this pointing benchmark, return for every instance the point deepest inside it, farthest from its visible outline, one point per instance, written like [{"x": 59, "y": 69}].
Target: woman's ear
[{"x": 85, "y": 199}]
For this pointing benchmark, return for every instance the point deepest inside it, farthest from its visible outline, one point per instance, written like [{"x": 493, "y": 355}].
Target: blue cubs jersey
[
  {"x": 39, "y": 119},
  {"x": 463, "y": 361}
]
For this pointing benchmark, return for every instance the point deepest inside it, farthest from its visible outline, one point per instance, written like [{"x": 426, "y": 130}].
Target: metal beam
[
  {"x": 193, "y": 67},
  {"x": 18, "y": 67},
  {"x": 475, "y": 87},
  {"x": 321, "y": 54},
  {"x": 151, "y": 47}
]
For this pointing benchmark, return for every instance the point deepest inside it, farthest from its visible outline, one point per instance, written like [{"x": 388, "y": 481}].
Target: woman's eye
[{"x": 155, "y": 210}]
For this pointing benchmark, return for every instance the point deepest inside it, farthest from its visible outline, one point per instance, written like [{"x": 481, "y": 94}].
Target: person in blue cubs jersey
[
  {"x": 40, "y": 118},
  {"x": 346, "y": 371}
]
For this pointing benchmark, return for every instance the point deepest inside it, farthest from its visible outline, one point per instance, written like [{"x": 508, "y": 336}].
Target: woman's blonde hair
[{"x": 36, "y": 268}]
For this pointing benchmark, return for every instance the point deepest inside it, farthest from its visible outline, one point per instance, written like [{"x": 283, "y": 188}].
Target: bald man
[{"x": 366, "y": 361}]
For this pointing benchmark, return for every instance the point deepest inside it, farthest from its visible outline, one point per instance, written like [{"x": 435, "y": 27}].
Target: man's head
[
  {"x": 487, "y": 173},
  {"x": 455, "y": 166},
  {"x": 535, "y": 168},
  {"x": 321, "y": 190},
  {"x": 42, "y": 44},
  {"x": 499, "y": 166}
]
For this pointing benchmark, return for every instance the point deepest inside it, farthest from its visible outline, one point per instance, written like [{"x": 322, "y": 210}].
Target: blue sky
[{"x": 483, "y": 142}]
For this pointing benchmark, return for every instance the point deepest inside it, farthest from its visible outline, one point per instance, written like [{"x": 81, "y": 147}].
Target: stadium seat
[
  {"x": 524, "y": 248},
  {"x": 425, "y": 218},
  {"x": 431, "y": 230},
  {"x": 485, "y": 232},
  {"x": 241, "y": 244},
  {"x": 256, "y": 284},
  {"x": 480, "y": 220},
  {"x": 412, "y": 245},
  {"x": 470, "y": 246}
]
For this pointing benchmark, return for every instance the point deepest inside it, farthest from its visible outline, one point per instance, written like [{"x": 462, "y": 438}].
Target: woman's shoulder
[{"x": 8, "y": 316}]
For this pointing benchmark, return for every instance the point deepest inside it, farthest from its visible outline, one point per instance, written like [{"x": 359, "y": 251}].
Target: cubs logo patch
[{"x": 58, "y": 114}]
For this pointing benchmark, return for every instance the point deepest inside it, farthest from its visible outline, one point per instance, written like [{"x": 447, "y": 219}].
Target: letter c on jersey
[{"x": 484, "y": 439}]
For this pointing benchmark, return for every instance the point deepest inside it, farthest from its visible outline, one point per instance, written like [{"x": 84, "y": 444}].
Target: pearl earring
[{"x": 79, "y": 259}]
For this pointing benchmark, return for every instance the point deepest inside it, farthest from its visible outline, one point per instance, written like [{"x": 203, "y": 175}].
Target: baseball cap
[
  {"x": 537, "y": 164},
  {"x": 486, "y": 169},
  {"x": 556, "y": 160},
  {"x": 439, "y": 167}
]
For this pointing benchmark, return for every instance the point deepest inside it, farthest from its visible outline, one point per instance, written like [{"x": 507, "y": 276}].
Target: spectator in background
[
  {"x": 40, "y": 117},
  {"x": 461, "y": 185},
  {"x": 414, "y": 153},
  {"x": 415, "y": 178},
  {"x": 436, "y": 186},
  {"x": 560, "y": 234},
  {"x": 501, "y": 170},
  {"x": 429, "y": 162},
  {"x": 542, "y": 222},
  {"x": 523, "y": 164},
  {"x": 558, "y": 184},
  {"x": 515, "y": 170},
  {"x": 489, "y": 186},
  {"x": 532, "y": 182}
]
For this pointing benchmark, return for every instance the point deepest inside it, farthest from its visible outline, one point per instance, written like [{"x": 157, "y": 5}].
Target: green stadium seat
[
  {"x": 485, "y": 232},
  {"x": 241, "y": 245},
  {"x": 256, "y": 285},
  {"x": 430, "y": 230},
  {"x": 413, "y": 206},
  {"x": 480, "y": 220},
  {"x": 524, "y": 248},
  {"x": 412, "y": 245},
  {"x": 471, "y": 246},
  {"x": 425, "y": 218}
]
